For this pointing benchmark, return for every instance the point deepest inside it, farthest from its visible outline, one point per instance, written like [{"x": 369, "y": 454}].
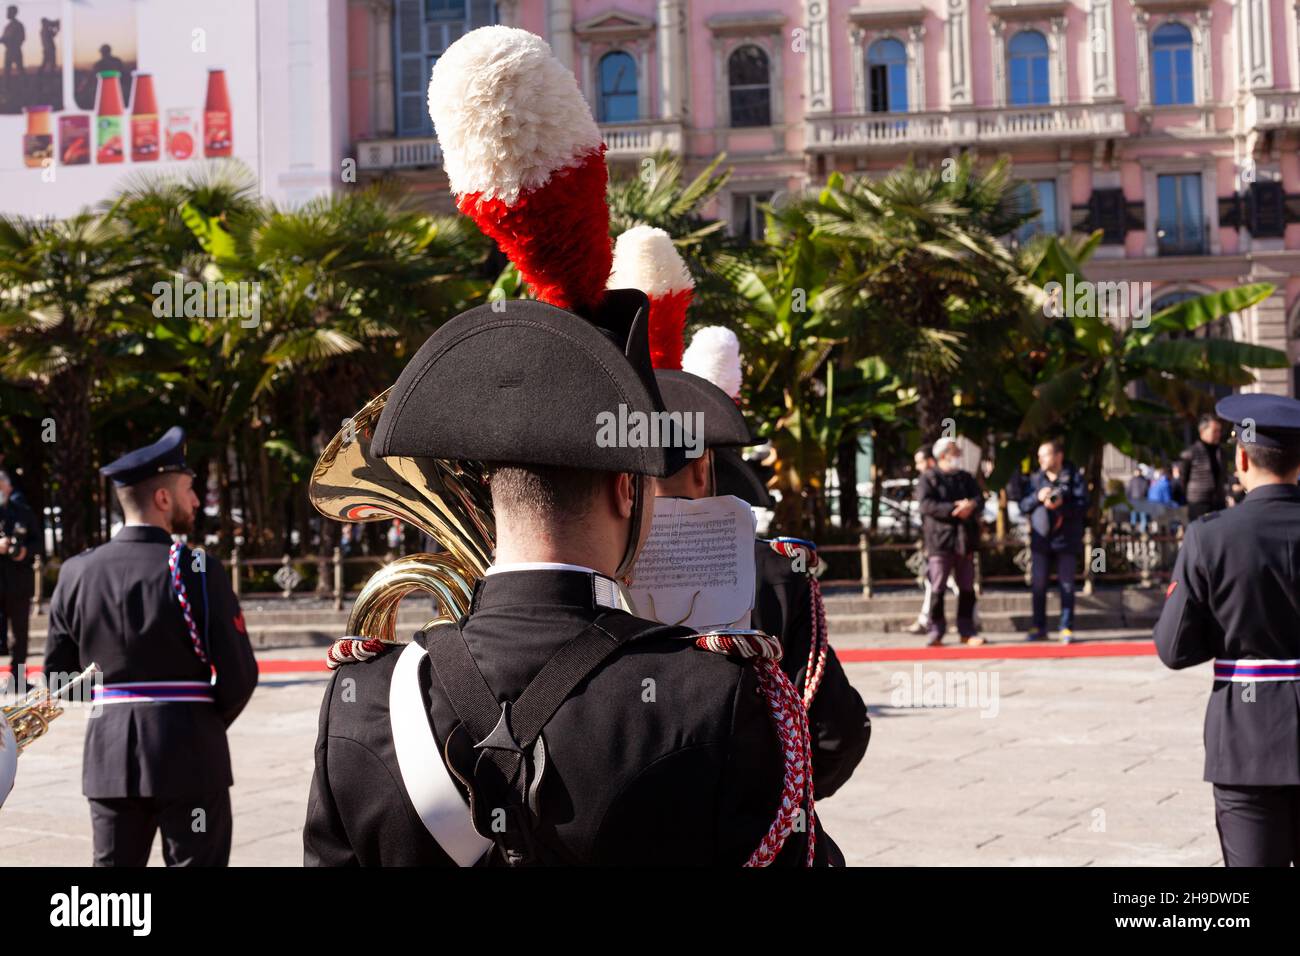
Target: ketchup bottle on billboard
[
  {"x": 108, "y": 119},
  {"x": 216, "y": 116},
  {"x": 144, "y": 120}
]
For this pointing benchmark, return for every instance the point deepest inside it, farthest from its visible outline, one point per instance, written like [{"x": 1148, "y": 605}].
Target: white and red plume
[
  {"x": 646, "y": 259},
  {"x": 714, "y": 354},
  {"x": 525, "y": 160}
]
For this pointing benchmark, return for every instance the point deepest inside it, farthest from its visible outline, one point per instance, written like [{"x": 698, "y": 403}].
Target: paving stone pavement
[{"x": 1085, "y": 761}]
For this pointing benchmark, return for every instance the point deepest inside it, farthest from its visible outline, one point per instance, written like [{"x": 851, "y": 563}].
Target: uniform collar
[
  {"x": 542, "y": 583},
  {"x": 1275, "y": 492},
  {"x": 143, "y": 532}
]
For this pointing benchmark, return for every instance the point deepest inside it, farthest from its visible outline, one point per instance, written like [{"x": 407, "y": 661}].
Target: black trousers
[
  {"x": 124, "y": 829},
  {"x": 1258, "y": 826},
  {"x": 17, "y": 611}
]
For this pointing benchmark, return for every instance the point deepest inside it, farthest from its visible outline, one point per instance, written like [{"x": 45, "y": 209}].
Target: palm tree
[
  {"x": 1077, "y": 374},
  {"x": 920, "y": 259},
  {"x": 68, "y": 312}
]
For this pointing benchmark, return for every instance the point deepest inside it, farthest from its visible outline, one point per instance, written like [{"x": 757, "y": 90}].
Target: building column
[
  {"x": 1101, "y": 33},
  {"x": 1059, "y": 82},
  {"x": 1142, "y": 41},
  {"x": 382, "y": 100},
  {"x": 998, "y": 49},
  {"x": 817, "y": 79},
  {"x": 671, "y": 74},
  {"x": 1255, "y": 44},
  {"x": 916, "y": 57},
  {"x": 559, "y": 28},
  {"x": 957, "y": 27}
]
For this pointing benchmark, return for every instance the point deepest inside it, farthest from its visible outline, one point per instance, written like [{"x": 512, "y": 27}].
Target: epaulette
[
  {"x": 742, "y": 645},
  {"x": 1211, "y": 514},
  {"x": 348, "y": 650},
  {"x": 795, "y": 547}
]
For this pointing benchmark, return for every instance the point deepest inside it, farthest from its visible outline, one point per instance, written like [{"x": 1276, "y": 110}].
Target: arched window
[
  {"x": 749, "y": 80},
  {"x": 617, "y": 100},
  {"x": 1027, "y": 61},
  {"x": 887, "y": 76},
  {"x": 1171, "y": 65}
]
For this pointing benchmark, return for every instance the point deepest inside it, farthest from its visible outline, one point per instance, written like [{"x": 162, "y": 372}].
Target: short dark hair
[
  {"x": 1275, "y": 461},
  {"x": 1206, "y": 419},
  {"x": 1058, "y": 446},
  {"x": 139, "y": 496},
  {"x": 546, "y": 492}
]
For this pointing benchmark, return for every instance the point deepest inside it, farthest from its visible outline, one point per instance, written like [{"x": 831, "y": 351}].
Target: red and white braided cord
[
  {"x": 183, "y": 598},
  {"x": 348, "y": 649},
  {"x": 790, "y": 718},
  {"x": 819, "y": 646}
]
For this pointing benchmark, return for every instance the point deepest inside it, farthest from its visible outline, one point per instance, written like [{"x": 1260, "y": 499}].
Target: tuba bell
[
  {"x": 23, "y": 722},
  {"x": 448, "y": 500}
]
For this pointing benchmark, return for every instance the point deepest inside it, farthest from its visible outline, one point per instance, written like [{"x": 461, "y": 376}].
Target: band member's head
[
  {"x": 1267, "y": 433},
  {"x": 155, "y": 486},
  {"x": 166, "y": 500},
  {"x": 708, "y": 419}
]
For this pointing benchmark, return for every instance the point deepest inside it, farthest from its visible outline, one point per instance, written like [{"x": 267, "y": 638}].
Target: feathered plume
[
  {"x": 646, "y": 259},
  {"x": 714, "y": 354},
  {"x": 525, "y": 160}
]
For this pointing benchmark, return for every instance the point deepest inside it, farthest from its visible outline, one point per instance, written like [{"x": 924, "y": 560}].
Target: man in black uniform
[
  {"x": 166, "y": 630},
  {"x": 784, "y": 603},
  {"x": 20, "y": 538},
  {"x": 1235, "y": 599},
  {"x": 655, "y": 751}
]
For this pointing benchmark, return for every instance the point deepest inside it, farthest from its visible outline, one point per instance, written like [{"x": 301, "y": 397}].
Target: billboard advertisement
[{"x": 94, "y": 91}]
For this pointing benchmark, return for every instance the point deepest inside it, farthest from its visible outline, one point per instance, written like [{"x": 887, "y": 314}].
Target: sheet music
[{"x": 697, "y": 567}]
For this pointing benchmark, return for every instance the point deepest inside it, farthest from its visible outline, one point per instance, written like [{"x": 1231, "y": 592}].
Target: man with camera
[
  {"x": 19, "y": 540},
  {"x": 1056, "y": 502}
]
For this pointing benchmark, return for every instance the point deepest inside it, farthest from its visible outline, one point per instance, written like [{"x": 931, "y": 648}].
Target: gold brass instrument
[
  {"x": 447, "y": 500},
  {"x": 23, "y": 722}
]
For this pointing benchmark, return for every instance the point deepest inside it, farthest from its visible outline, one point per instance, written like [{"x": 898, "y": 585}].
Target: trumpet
[
  {"x": 30, "y": 718},
  {"x": 448, "y": 500}
]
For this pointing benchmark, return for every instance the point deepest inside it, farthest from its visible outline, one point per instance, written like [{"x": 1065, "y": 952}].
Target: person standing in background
[
  {"x": 951, "y": 503},
  {"x": 1201, "y": 466},
  {"x": 1056, "y": 501},
  {"x": 19, "y": 541}
]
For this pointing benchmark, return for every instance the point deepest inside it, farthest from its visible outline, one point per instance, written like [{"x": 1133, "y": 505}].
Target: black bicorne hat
[
  {"x": 524, "y": 383},
  {"x": 724, "y": 425}
]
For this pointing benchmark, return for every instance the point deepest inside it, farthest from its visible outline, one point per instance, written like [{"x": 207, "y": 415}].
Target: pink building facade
[{"x": 1172, "y": 125}]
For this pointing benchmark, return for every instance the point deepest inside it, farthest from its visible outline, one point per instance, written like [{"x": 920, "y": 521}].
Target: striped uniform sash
[
  {"x": 1250, "y": 671},
  {"x": 154, "y": 692}
]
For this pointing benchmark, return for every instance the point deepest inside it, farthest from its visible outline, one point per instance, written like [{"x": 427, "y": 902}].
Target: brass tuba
[
  {"x": 23, "y": 722},
  {"x": 448, "y": 500}
]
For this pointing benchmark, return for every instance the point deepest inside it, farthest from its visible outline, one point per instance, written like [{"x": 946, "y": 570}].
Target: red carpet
[
  {"x": 998, "y": 651},
  {"x": 846, "y": 655}
]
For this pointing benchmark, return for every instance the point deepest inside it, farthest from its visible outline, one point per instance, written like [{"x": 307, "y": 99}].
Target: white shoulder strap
[{"x": 442, "y": 809}]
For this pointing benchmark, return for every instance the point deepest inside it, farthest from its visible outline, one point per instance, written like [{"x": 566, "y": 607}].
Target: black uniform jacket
[
  {"x": 692, "y": 776},
  {"x": 1235, "y": 594},
  {"x": 18, "y": 522},
  {"x": 114, "y": 606},
  {"x": 837, "y": 720}
]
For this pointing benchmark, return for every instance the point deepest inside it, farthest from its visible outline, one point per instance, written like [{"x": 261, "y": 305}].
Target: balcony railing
[
  {"x": 1270, "y": 109},
  {"x": 624, "y": 141},
  {"x": 985, "y": 125},
  {"x": 633, "y": 140},
  {"x": 1190, "y": 240},
  {"x": 407, "y": 152}
]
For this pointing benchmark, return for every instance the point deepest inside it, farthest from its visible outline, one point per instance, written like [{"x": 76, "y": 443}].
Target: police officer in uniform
[
  {"x": 1235, "y": 599},
  {"x": 163, "y": 625},
  {"x": 783, "y": 604}
]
